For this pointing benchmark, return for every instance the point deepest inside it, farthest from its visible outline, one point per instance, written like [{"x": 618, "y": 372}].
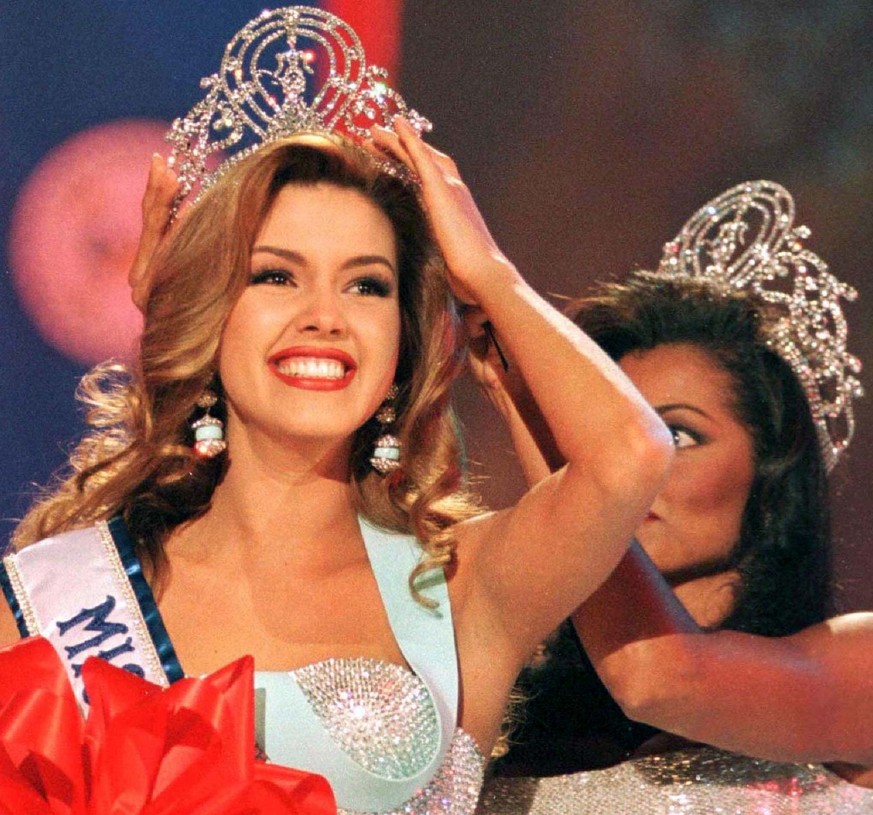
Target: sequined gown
[
  {"x": 386, "y": 737},
  {"x": 572, "y": 729},
  {"x": 693, "y": 781}
]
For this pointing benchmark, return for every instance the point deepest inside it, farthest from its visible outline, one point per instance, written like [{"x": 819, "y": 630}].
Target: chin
[{"x": 658, "y": 553}]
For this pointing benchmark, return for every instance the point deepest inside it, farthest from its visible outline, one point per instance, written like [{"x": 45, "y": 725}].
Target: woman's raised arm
[
  {"x": 805, "y": 697},
  {"x": 528, "y": 567}
]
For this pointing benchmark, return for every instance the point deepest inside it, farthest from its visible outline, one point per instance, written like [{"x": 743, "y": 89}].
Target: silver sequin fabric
[
  {"x": 381, "y": 715},
  {"x": 454, "y": 790},
  {"x": 696, "y": 781}
]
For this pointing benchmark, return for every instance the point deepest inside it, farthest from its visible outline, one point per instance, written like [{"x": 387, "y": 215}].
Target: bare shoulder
[{"x": 8, "y": 627}]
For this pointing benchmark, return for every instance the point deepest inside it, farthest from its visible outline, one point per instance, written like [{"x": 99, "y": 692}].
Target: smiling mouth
[
  {"x": 312, "y": 368},
  {"x": 318, "y": 369}
]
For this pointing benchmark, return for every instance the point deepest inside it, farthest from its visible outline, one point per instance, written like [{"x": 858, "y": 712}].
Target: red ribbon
[{"x": 143, "y": 750}]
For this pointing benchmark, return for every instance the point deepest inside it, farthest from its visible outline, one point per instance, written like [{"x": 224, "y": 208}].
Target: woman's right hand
[
  {"x": 474, "y": 262},
  {"x": 157, "y": 212}
]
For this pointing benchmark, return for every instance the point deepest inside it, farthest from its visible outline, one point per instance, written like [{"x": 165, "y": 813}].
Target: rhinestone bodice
[
  {"x": 695, "y": 781},
  {"x": 386, "y": 738},
  {"x": 382, "y": 717}
]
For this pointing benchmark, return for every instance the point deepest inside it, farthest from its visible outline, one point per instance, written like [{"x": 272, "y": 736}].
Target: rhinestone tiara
[
  {"x": 745, "y": 239},
  {"x": 290, "y": 70}
]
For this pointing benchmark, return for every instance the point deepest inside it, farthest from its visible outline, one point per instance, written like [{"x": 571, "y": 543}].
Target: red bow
[{"x": 143, "y": 750}]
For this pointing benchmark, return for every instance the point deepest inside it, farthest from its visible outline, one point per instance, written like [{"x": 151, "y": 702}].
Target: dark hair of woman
[{"x": 783, "y": 552}]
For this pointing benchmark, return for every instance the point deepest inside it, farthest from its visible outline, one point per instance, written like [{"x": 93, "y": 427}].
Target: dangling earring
[
  {"x": 208, "y": 430},
  {"x": 386, "y": 452}
]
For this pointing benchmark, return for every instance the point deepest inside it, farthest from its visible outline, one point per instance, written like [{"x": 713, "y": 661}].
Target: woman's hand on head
[
  {"x": 157, "y": 211},
  {"x": 471, "y": 255}
]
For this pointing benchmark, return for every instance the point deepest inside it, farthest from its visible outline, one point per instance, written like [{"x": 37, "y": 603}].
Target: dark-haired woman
[{"x": 740, "y": 532}]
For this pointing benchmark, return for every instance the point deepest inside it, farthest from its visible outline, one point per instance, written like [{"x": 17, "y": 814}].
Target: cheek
[
  {"x": 243, "y": 338},
  {"x": 714, "y": 491}
]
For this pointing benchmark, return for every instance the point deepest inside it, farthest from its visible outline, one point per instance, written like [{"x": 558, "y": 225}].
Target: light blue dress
[{"x": 384, "y": 736}]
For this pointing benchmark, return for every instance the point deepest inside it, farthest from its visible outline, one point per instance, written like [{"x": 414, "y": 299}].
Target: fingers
[
  {"x": 425, "y": 157},
  {"x": 160, "y": 193},
  {"x": 406, "y": 144},
  {"x": 157, "y": 211},
  {"x": 386, "y": 141}
]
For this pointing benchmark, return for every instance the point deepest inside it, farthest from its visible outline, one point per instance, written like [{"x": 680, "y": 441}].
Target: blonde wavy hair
[{"x": 137, "y": 460}]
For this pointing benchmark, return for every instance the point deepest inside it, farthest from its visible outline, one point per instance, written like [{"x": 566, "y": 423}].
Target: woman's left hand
[{"x": 471, "y": 255}]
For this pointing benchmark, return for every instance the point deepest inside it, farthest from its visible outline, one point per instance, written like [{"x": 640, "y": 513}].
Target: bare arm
[
  {"x": 529, "y": 566},
  {"x": 807, "y": 697}
]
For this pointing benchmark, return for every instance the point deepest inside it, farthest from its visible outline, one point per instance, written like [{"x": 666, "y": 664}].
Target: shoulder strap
[
  {"x": 85, "y": 592},
  {"x": 427, "y": 641},
  {"x": 426, "y": 636}
]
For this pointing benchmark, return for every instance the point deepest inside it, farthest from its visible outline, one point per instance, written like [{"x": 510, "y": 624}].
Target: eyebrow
[
  {"x": 662, "y": 409},
  {"x": 351, "y": 263}
]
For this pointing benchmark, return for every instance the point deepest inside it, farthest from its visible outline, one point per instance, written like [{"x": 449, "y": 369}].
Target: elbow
[
  {"x": 651, "y": 679},
  {"x": 639, "y": 467}
]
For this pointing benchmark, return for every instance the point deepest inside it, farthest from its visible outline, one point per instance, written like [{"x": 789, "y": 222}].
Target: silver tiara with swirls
[
  {"x": 745, "y": 239},
  {"x": 290, "y": 70}
]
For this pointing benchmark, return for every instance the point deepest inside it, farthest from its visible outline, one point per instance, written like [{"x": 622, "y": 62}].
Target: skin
[
  {"x": 804, "y": 697},
  {"x": 283, "y": 522},
  {"x": 332, "y": 279},
  {"x": 157, "y": 209},
  {"x": 694, "y": 522}
]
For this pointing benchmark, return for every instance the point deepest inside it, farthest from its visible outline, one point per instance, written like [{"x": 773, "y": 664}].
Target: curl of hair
[
  {"x": 783, "y": 553},
  {"x": 137, "y": 460}
]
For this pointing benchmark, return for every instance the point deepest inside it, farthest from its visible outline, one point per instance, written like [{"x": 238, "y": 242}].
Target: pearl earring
[
  {"x": 208, "y": 430},
  {"x": 386, "y": 451}
]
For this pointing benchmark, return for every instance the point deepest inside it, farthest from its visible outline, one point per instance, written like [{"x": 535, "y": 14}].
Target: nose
[{"x": 321, "y": 313}]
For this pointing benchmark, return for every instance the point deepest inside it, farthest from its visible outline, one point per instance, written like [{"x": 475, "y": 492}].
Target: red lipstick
[{"x": 306, "y": 379}]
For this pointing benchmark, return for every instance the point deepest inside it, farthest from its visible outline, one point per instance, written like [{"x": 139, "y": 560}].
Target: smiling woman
[
  {"x": 325, "y": 262},
  {"x": 279, "y": 474}
]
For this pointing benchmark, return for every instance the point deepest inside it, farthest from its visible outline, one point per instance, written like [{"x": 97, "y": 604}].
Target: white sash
[{"x": 83, "y": 591}]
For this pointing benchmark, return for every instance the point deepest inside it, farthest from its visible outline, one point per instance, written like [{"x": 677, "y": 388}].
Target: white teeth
[{"x": 312, "y": 368}]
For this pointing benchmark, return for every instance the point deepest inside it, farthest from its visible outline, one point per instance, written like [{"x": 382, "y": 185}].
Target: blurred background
[{"x": 588, "y": 129}]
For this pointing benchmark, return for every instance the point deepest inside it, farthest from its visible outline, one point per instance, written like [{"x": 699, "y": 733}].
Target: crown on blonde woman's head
[
  {"x": 745, "y": 240},
  {"x": 290, "y": 70}
]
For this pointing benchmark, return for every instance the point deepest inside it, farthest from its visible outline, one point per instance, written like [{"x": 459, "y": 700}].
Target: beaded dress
[
  {"x": 692, "y": 781},
  {"x": 384, "y": 736},
  {"x": 571, "y": 729}
]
